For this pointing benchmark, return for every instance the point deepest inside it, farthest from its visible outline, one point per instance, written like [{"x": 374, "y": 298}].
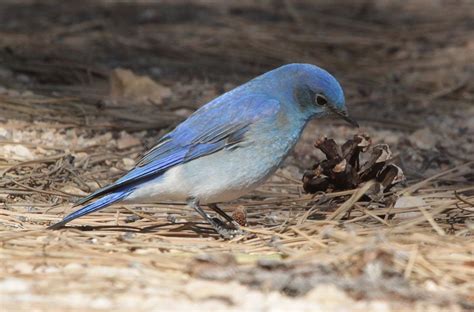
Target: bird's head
[{"x": 316, "y": 92}]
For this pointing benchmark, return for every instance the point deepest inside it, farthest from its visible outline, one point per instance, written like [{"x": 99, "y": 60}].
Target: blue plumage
[
  {"x": 203, "y": 133},
  {"x": 258, "y": 122},
  {"x": 97, "y": 205}
]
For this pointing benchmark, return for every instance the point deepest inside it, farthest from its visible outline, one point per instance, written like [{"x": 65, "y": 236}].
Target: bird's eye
[{"x": 321, "y": 100}]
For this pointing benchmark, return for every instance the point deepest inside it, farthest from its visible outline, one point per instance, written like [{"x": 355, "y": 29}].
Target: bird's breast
[{"x": 224, "y": 175}]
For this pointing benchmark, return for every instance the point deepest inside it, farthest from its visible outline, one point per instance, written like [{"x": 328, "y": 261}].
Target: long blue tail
[{"x": 94, "y": 206}]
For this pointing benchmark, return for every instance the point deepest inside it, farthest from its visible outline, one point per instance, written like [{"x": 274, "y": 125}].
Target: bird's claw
[{"x": 227, "y": 231}]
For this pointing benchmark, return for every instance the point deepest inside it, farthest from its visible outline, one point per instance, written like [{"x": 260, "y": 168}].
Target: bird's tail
[{"x": 94, "y": 206}]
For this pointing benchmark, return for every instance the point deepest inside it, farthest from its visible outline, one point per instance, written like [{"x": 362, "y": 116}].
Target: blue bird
[{"x": 229, "y": 146}]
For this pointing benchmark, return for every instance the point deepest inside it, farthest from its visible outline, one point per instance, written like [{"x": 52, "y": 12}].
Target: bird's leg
[
  {"x": 215, "y": 223},
  {"x": 221, "y": 212},
  {"x": 231, "y": 220},
  {"x": 234, "y": 225}
]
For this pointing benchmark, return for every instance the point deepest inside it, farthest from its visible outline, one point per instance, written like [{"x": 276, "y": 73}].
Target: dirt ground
[{"x": 87, "y": 87}]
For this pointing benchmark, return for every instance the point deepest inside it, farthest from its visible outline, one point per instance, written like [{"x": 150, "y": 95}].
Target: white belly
[
  {"x": 175, "y": 185},
  {"x": 222, "y": 176},
  {"x": 219, "y": 177}
]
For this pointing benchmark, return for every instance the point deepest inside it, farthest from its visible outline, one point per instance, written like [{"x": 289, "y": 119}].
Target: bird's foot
[{"x": 226, "y": 231}]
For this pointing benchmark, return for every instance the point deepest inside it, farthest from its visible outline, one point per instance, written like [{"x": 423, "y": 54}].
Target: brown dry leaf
[
  {"x": 125, "y": 84},
  {"x": 126, "y": 140}
]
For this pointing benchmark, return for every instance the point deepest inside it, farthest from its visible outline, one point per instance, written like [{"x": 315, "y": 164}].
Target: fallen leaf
[
  {"x": 125, "y": 84},
  {"x": 126, "y": 140}
]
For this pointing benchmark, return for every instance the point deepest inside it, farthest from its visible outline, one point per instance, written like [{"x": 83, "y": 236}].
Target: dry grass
[{"x": 429, "y": 245}]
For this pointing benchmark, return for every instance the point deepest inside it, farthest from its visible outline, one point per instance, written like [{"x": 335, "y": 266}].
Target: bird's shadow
[{"x": 198, "y": 228}]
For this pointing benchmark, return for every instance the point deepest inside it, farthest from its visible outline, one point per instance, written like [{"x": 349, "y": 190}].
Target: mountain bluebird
[{"x": 229, "y": 146}]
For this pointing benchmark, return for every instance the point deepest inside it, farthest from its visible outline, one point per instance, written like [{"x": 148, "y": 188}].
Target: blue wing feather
[
  {"x": 94, "y": 206},
  {"x": 221, "y": 123}
]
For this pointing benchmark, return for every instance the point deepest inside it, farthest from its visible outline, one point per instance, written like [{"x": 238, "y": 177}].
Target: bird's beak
[{"x": 344, "y": 115}]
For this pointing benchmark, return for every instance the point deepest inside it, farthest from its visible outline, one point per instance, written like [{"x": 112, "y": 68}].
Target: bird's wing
[{"x": 214, "y": 127}]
